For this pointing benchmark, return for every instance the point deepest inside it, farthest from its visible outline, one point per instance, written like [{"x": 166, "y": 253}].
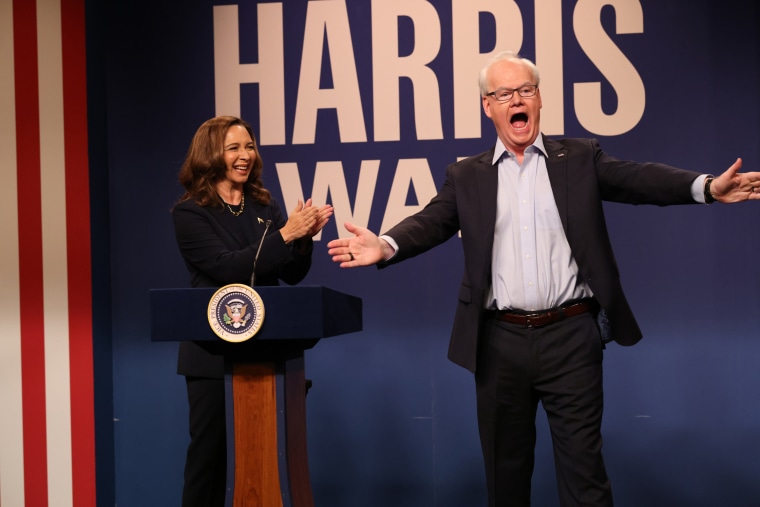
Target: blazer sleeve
[
  {"x": 436, "y": 223},
  {"x": 287, "y": 262},
  {"x": 641, "y": 182}
]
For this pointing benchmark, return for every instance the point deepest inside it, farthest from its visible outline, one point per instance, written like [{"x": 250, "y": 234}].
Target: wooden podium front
[{"x": 267, "y": 461}]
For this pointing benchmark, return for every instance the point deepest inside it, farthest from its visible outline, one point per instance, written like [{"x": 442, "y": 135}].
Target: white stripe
[
  {"x": 55, "y": 279},
  {"x": 11, "y": 421}
]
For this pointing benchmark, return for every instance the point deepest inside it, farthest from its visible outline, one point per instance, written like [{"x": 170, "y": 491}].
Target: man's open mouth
[{"x": 519, "y": 120}]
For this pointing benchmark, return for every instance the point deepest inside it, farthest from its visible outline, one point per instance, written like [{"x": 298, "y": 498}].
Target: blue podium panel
[{"x": 290, "y": 313}]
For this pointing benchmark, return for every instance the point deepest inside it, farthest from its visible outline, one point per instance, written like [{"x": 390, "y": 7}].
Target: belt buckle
[
  {"x": 545, "y": 318},
  {"x": 531, "y": 318}
]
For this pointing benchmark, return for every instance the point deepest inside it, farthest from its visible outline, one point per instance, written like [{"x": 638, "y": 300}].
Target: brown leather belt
[{"x": 546, "y": 317}]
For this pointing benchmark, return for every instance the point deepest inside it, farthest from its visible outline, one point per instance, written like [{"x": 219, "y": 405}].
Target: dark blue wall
[{"x": 391, "y": 421}]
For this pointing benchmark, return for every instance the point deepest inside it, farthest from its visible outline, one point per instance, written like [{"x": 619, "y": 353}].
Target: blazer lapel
[
  {"x": 487, "y": 177},
  {"x": 556, "y": 166},
  {"x": 487, "y": 185}
]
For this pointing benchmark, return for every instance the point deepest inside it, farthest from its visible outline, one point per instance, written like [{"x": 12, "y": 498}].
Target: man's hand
[
  {"x": 363, "y": 249},
  {"x": 733, "y": 186}
]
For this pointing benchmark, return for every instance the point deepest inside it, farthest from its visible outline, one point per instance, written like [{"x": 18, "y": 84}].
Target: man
[{"x": 541, "y": 292}]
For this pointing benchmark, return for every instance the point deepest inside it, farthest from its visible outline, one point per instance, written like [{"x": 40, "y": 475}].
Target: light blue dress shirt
[{"x": 533, "y": 267}]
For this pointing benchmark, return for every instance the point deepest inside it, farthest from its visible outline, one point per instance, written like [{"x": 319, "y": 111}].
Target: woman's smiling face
[{"x": 239, "y": 154}]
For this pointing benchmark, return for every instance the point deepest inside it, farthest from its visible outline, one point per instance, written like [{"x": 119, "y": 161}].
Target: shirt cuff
[
  {"x": 698, "y": 188},
  {"x": 393, "y": 244}
]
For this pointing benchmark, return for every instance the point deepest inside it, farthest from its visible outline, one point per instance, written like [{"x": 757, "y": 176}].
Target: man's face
[{"x": 516, "y": 120}]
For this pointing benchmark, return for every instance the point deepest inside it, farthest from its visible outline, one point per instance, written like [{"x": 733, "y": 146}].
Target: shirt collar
[{"x": 500, "y": 149}]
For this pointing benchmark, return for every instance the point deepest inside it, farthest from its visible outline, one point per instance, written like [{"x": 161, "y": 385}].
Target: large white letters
[
  {"x": 269, "y": 73},
  {"x": 331, "y": 19},
  {"x": 621, "y": 74},
  {"x": 329, "y": 179},
  {"x": 388, "y": 68},
  {"x": 414, "y": 174},
  {"x": 468, "y": 59},
  {"x": 549, "y": 60},
  {"x": 328, "y": 20}
]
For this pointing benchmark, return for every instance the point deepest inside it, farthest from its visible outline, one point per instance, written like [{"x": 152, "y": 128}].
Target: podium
[{"x": 265, "y": 383}]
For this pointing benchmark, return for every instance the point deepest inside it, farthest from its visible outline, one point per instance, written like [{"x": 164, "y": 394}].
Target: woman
[{"x": 219, "y": 223}]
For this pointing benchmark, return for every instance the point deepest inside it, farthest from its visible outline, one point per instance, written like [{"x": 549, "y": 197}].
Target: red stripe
[
  {"x": 30, "y": 252},
  {"x": 78, "y": 252}
]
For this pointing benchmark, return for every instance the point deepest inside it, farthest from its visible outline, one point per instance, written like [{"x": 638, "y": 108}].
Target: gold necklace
[{"x": 242, "y": 207}]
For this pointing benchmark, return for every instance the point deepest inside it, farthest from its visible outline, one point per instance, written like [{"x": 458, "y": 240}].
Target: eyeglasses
[{"x": 505, "y": 94}]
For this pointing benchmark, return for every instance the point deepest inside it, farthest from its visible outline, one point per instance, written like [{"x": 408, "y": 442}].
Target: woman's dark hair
[{"x": 204, "y": 164}]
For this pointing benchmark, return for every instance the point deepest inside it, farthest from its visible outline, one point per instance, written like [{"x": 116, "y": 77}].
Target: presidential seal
[{"x": 235, "y": 313}]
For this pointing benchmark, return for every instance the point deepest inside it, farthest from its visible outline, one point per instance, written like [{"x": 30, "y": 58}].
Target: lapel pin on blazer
[{"x": 261, "y": 220}]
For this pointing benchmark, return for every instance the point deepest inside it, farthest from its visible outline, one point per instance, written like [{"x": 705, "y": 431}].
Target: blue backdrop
[{"x": 391, "y": 422}]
